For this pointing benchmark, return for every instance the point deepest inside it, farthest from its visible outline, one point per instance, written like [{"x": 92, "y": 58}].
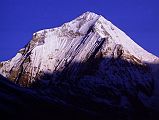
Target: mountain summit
[
  {"x": 90, "y": 57},
  {"x": 52, "y": 49}
]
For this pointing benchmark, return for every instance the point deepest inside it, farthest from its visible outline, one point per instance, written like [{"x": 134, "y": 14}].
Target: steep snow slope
[{"x": 89, "y": 54}]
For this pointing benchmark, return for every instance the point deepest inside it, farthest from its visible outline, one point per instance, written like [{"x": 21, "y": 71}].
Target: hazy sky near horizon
[{"x": 19, "y": 19}]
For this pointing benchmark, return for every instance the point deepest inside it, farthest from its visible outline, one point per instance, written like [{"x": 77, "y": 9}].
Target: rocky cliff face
[{"x": 88, "y": 56}]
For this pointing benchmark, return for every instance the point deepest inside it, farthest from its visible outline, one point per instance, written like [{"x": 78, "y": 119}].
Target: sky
[{"x": 19, "y": 19}]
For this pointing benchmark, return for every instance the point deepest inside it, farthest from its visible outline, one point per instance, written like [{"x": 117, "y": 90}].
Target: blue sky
[{"x": 19, "y": 19}]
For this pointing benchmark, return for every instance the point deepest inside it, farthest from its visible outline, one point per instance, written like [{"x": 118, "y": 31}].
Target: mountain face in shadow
[
  {"x": 21, "y": 103},
  {"x": 88, "y": 98},
  {"x": 85, "y": 69}
]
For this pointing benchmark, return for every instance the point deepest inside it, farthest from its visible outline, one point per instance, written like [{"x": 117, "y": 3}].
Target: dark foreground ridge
[{"x": 80, "y": 97}]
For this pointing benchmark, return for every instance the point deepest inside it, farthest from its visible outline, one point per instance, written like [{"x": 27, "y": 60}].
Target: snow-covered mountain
[{"x": 89, "y": 58}]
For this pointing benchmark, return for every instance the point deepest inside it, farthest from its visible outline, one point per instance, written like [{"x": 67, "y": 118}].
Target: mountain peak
[
  {"x": 88, "y": 17},
  {"x": 53, "y": 49},
  {"x": 89, "y": 13}
]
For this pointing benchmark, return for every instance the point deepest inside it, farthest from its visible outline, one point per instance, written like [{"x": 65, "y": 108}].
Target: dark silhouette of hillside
[{"x": 77, "y": 94}]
